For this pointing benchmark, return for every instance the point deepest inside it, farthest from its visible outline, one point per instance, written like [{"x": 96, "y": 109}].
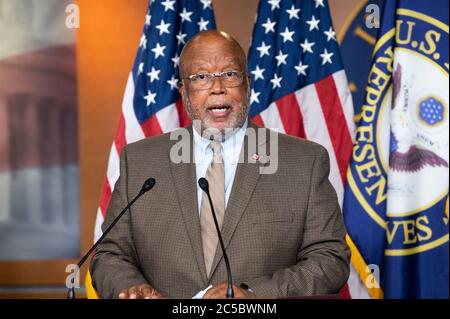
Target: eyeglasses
[{"x": 205, "y": 81}]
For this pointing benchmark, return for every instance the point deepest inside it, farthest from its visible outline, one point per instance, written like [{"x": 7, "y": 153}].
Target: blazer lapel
[
  {"x": 184, "y": 179},
  {"x": 245, "y": 181}
]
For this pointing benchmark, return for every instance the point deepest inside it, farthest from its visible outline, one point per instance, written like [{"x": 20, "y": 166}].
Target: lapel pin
[{"x": 255, "y": 157}]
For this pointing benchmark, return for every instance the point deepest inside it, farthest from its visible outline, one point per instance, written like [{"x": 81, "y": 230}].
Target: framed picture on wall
[{"x": 39, "y": 173}]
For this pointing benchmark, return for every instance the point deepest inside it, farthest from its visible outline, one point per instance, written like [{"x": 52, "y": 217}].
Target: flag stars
[
  {"x": 254, "y": 97},
  {"x": 159, "y": 50},
  {"x": 263, "y": 49},
  {"x": 258, "y": 73},
  {"x": 153, "y": 74},
  {"x": 148, "y": 19},
  {"x": 186, "y": 15},
  {"x": 301, "y": 68},
  {"x": 176, "y": 60},
  {"x": 173, "y": 82},
  {"x": 326, "y": 57},
  {"x": 140, "y": 68},
  {"x": 206, "y": 4},
  {"x": 202, "y": 24},
  {"x": 269, "y": 26},
  {"x": 293, "y": 12},
  {"x": 307, "y": 46},
  {"x": 287, "y": 35},
  {"x": 319, "y": 3},
  {"x": 143, "y": 42},
  {"x": 281, "y": 58},
  {"x": 276, "y": 81},
  {"x": 275, "y": 4},
  {"x": 313, "y": 23},
  {"x": 150, "y": 98},
  {"x": 163, "y": 27},
  {"x": 168, "y": 5},
  {"x": 331, "y": 35},
  {"x": 181, "y": 37}
]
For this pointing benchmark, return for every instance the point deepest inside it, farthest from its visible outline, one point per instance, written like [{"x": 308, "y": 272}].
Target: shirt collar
[{"x": 230, "y": 147}]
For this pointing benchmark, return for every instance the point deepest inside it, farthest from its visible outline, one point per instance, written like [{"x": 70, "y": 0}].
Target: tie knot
[{"x": 216, "y": 147}]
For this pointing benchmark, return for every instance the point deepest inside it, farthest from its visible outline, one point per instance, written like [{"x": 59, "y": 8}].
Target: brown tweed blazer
[{"x": 283, "y": 232}]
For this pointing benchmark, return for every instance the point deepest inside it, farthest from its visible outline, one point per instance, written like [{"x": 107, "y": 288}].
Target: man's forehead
[
  {"x": 212, "y": 48},
  {"x": 212, "y": 36},
  {"x": 211, "y": 44},
  {"x": 205, "y": 59}
]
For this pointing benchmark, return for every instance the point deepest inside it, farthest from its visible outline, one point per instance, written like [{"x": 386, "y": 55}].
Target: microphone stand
[
  {"x": 204, "y": 185},
  {"x": 148, "y": 185}
]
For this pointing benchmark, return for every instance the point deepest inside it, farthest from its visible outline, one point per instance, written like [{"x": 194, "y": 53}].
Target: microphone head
[
  {"x": 203, "y": 183},
  {"x": 148, "y": 185}
]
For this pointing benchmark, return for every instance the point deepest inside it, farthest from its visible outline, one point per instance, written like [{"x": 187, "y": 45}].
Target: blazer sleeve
[
  {"x": 115, "y": 265},
  {"x": 323, "y": 257}
]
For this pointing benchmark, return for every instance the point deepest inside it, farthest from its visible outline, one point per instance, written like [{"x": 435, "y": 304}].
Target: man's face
[{"x": 219, "y": 107}]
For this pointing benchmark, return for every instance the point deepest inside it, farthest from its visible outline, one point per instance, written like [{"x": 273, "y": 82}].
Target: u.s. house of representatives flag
[
  {"x": 151, "y": 103},
  {"x": 396, "y": 198}
]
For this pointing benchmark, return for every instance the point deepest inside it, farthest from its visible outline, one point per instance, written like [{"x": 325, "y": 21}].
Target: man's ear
[
  {"x": 248, "y": 80},
  {"x": 181, "y": 88}
]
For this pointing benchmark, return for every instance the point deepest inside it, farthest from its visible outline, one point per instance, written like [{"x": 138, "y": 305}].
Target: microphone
[
  {"x": 204, "y": 185},
  {"x": 148, "y": 185}
]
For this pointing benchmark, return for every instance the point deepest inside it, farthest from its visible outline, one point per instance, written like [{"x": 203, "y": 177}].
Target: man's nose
[{"x": 217, "y": 86}]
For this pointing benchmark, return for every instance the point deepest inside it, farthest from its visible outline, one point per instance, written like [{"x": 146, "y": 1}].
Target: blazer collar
[{"x": 184, "y": 179}]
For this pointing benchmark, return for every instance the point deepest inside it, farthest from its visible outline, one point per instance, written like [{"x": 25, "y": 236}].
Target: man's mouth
[{"x": 219, "y": 110}]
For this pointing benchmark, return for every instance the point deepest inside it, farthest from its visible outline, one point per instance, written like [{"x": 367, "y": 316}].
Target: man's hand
[
  {"x": 143, "y": 291},
  {"x": 220, "y": 291}
]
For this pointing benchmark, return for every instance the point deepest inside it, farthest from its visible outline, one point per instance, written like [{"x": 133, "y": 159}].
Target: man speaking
[{"x": 283, "y": 231}]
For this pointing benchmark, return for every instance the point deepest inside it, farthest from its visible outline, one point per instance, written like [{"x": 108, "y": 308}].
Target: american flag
[
  {"x": 298, "y": 81},
  {"x": 299, "y": 86},
  {"x": 151, "y": 103}
]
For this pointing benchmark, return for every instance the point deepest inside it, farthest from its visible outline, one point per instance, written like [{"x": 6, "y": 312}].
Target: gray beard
[{"x": 213, "y": 133}]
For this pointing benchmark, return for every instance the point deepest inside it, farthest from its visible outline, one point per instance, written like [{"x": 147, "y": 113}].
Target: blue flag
[
  {"x": 397, "y": 188},
  {"x": 357, "y": 39}
]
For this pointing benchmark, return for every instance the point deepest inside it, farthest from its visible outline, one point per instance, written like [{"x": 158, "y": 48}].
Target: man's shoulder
[
  {"x": 293, "y": 144},
  {"x": 154, "y": 144}
]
